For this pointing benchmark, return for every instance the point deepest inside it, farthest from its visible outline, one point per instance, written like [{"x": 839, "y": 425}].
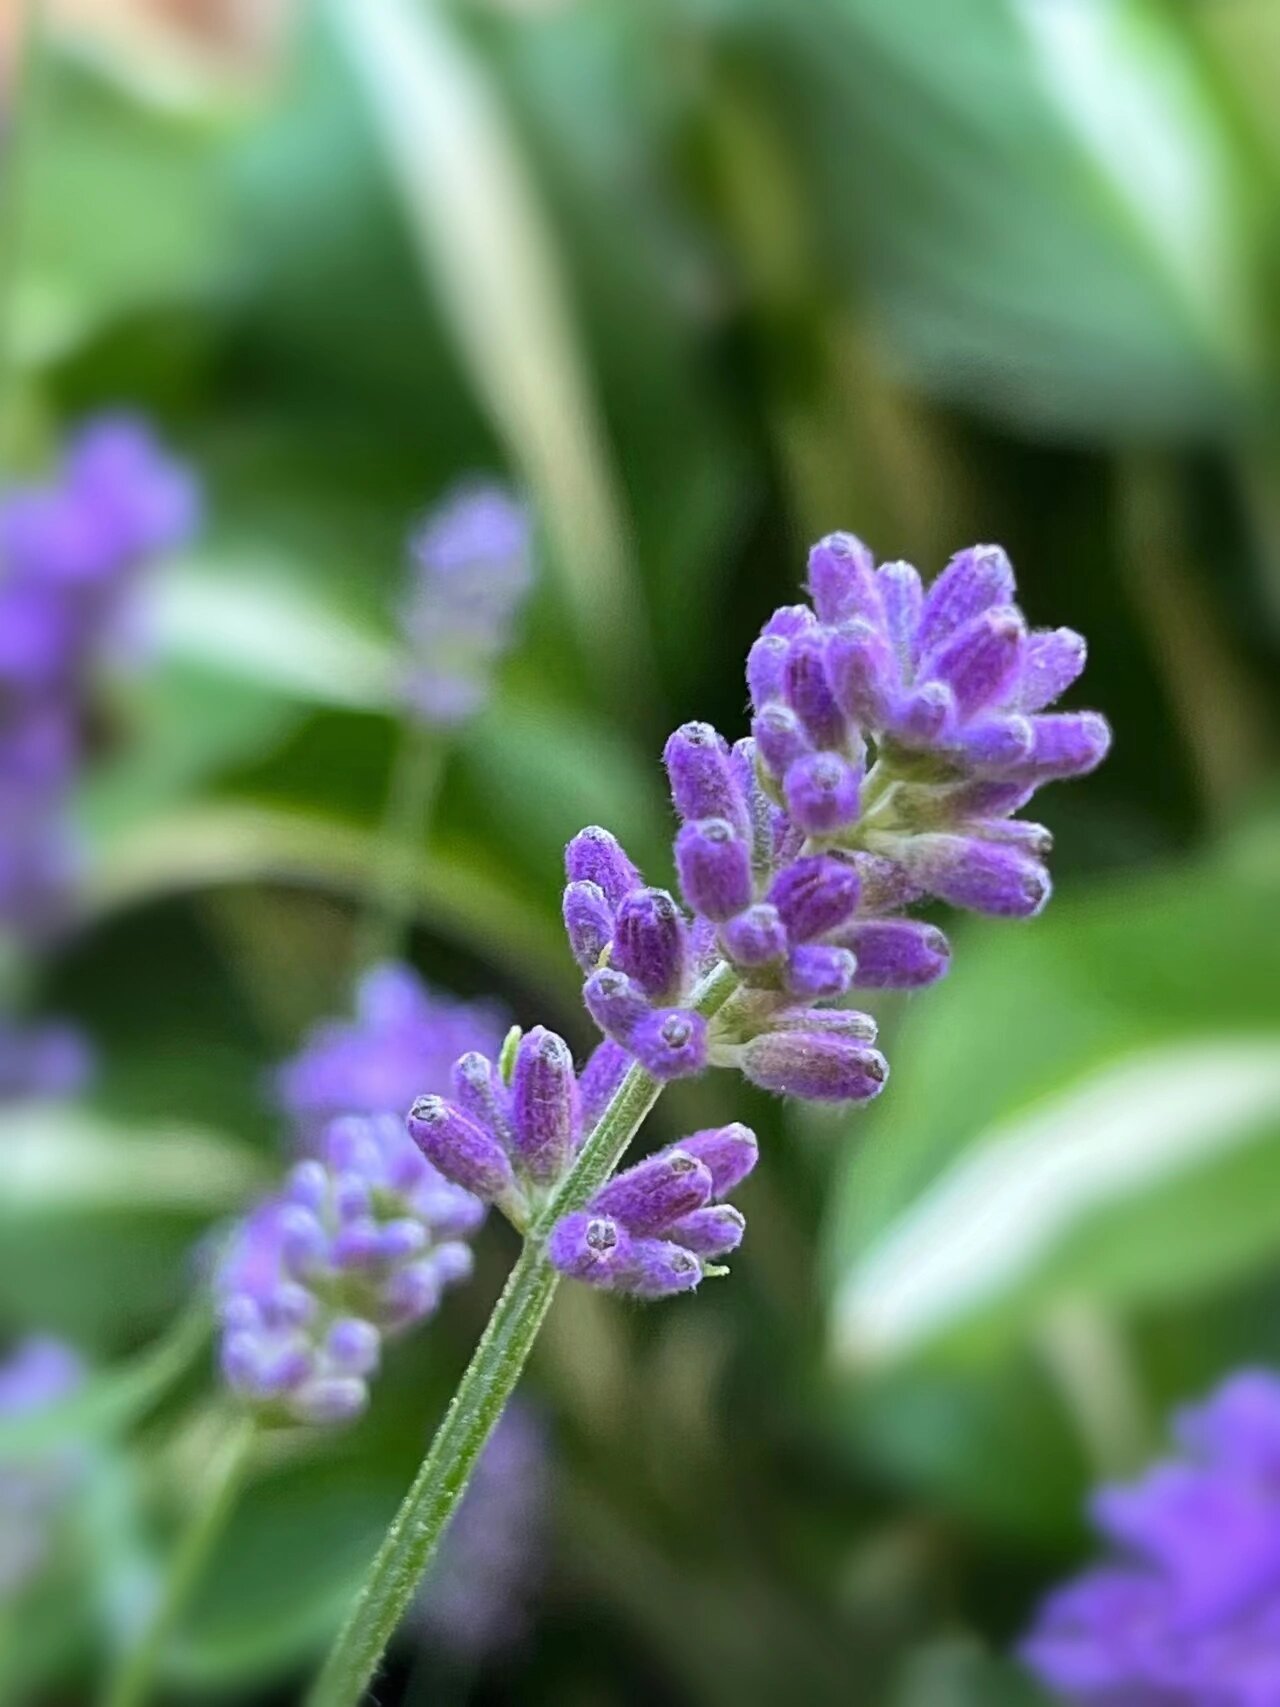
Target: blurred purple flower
[
  {"x": 473, "y": 567},
  {"x": 39, "y": 1372},
  {"x": 477, "y": 1602},
  {"x": 1188, "y": 1614},
  {"x": 46, "y": 1060},
  {"x": 402, "y": 1042},
  {"x": 361, "y": 1243},
  {"x": 70, "y": 553}
]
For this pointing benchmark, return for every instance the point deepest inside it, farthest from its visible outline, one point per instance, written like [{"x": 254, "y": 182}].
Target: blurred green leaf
[
  {"x": 122, "y": 211},
  {"x": 959, "y": 1673},
  {"x": 60, "y": 1160},
  {"x": 1118, "y": 1142},
  {"x": 1048, "y": 214}
]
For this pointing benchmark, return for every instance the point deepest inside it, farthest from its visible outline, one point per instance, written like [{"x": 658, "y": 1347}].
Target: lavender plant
[
  {"x": 1186, "y": 1615},
  {"x": 895, "y": 734}
]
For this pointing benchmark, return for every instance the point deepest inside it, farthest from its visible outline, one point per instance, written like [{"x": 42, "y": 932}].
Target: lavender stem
[{"x": 488, "y": 1383}]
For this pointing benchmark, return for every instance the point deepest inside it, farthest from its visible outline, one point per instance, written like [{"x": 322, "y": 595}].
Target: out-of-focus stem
[
  {"x": 133, "y": 1681},
  {"x": 416, "y": 775}
]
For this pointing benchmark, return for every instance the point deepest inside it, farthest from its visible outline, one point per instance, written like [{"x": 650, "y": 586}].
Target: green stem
[
  {"x": 488, "y": 1383},
  {"x": 132, "y": 1683},
  {"x": 416, "y": 775}
]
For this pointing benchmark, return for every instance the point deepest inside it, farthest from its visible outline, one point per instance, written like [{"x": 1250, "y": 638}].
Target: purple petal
[
  {"x": 657, "y": 1191},
  {"x": 896, "y": 954},
  {"x": 704, "y": 783},
  {"x": 1051, "y": 660},
  {"x": 823, "y": 792},
  {"x": 728, "y": 1152},
  {"x": 650, "y": 943},
  {"x": 815, "y": 1066},
  {"x": 973, "y": 581},
  {"x": 462, "y": 1150},
  {"x": 544, "y": 1105},
  {"x": 588, "y": 920},
  {"x": 714, "y": 864},
  {"x": 595, "y": 856},
  {"x": 671, "y": 1043},
  {"x": 809, "y": 694},
  {"x": 842, "y": 579},
  {"x": 815, "y": 895},
  {"x": 711, "y": 1232}
]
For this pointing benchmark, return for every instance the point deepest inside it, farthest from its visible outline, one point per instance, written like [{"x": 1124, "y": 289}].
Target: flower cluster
[
  {"x": 47, "y": 1060},
  {"x": 653, "y": 1229},
  {"x": 1189, "y": 1614},
  {"x": 473, "y": 568},
  {"x": 360, "y": 1243},
  {"x": 69, "y": 552},
  {"x": 797, "y": 860},
  {"x": 403, "y": 1040},
  {"x": 38, "y": 1373},
  {"x": 476, "y": 1603},
  {"x": 510, "y": 1139}
]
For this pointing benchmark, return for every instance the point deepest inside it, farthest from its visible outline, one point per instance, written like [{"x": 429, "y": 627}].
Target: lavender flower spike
[
  {"x": 361, "y": 1243},
  {"x": 1185, "y": 1615},
  {"x": 651, "y": 1230},
  {"x": 473, "y": 567}
]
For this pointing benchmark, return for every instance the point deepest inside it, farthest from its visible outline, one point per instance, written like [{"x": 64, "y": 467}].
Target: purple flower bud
[
  {"x": 615, "y": 1002},
  {"x": 789, "y": 621},
  {"x": 896, "y": 954},
  {"x": 544, "y": 1104},
  {"x": 925, "y": 716},
  {"x": 657, "y": 1191},
  {"x": 650, "y": 943},
  {"x": 479, "y": 1092},
  {"x": 865, "y": 675},
  {"x": 822, "y": 793},
  {"x": 818, "y": 972},
  {"x": 1069, "y": 743},
  {"x": 815, "y": 895},
  {"x": 815, "y": 1066},
  {"x": 671, "y": 1043},
  {"x": 658, "y": 1269},
  {"x": 886, "y": 888},
  {"x": 779, "y": 739},
  {"x": 757, "y": 937},
  {"x": 728, "y": 1153},
  {"x": 980, "y": 661},
  {"x": 354, "y": 1346},
  {"x": 902, "y": 598},
  {"x": 714, "y": 864},
  {"x": 599, "y": 1079},
  {"x": 973, "y": 581},
  {"x": 830, "y": 1022},
  {"x": 809, "y": 692},
  {"x": 330, "y": 1400},
  {"x": 978, "y": 875},
  {"x": 997, "y": 742},
  {"x": 590, "y": 1247},
  {"x": 767, "y": 670},
  {"x": 1051, "y": 661},
  {"x": 588, "y": 920},
  {"x": 595, "y": 856},
  {"x": 842, "y": 579},
  {"x": 703, "y": 780},
  {"x": 711, "y": 1232},
  {"x": 462, "y": 1150}
]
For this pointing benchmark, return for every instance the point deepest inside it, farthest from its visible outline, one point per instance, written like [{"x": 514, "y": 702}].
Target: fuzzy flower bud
[{"x": 650, "y": 1229}]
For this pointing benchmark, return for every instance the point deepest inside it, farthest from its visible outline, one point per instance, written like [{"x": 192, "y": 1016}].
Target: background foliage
[{"x": 709, "y": 278}]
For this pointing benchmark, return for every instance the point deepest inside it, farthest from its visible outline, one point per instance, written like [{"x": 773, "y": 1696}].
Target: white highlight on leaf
[
  {"x": 55, "y": 1159},
  {"x": 251, "y": 624},
  {"x": 1121, "y": 82},
  {"x": 1000, "y": 1210}
]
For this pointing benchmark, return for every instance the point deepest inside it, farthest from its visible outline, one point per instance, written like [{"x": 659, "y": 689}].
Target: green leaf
[
  {"x": 121, "y": 211},
  {"x": 1089, "y": 1108},
  {"x": 1043, "y": 202}
]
